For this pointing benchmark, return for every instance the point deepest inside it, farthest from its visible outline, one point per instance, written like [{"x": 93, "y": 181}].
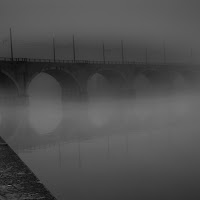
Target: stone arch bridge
[{"x": 16, "y": 75}]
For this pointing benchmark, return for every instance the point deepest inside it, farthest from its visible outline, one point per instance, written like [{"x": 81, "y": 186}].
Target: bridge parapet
[
  {"x": 64, "y": 61},
  {"x": 93, "y": 62}
]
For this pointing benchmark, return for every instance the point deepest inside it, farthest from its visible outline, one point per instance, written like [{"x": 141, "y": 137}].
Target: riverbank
[{"x": 16, "y": 179}]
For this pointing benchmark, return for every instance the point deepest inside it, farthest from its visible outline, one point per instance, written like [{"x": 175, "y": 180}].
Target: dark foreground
[{"x": 16, "y": 179}]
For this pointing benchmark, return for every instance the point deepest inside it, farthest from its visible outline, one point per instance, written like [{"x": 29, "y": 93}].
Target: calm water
[{"x": 130, "y": 149}]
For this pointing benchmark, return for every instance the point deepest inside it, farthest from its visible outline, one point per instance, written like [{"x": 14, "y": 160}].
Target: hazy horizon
[{"x": 140, "y": 24}]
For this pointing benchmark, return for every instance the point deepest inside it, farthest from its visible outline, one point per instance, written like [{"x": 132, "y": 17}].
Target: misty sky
[{"x": 140, "y": 23}]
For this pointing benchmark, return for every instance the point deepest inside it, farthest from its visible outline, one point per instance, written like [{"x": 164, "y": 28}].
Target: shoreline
[{"x": 17, "y": 181}]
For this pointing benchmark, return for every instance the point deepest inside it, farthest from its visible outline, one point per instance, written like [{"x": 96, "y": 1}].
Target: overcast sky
[{"x": 138, "y": 22}]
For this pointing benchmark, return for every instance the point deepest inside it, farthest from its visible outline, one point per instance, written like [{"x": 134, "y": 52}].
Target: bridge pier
[
  {"x": 84, "y": 96},
  {"x": 13, "y": 109},
  {"x": 128, "y": 93},
  {"x": 69, "y": 95},
  {"x": 23, "y": 100}
]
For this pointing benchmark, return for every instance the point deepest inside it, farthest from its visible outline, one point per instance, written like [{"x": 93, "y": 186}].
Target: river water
[{"x": 112, "y": 149}]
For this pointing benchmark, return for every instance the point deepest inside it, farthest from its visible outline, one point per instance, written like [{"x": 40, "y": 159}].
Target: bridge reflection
[
  {"x": 45, "y": 105},
  {"x": 114, "y": 117},
  {"x": 54, "y": 113}
]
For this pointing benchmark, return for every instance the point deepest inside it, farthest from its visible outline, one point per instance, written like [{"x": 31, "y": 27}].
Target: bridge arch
[
  {"x": 142, "y": 84},
  {"x": 112, "y": 80},
  {"x": 178, "y": 80},
  {"x": 162, "y": 81},
  {"x": 71, "y": 89},
  {"x": 151, "y": 82},
  {"x": 45, "y": 103},
  {"x": 12, "y": 79},
  {"x": 9, "y": 87},
  {"x": 9, "y": 94},
  {"x": 191, "y": 78}
]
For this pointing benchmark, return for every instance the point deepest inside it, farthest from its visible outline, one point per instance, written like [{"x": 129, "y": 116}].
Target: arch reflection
[
  {"x": 45, "y": 108},
  {"x": 101, "y": 108}
]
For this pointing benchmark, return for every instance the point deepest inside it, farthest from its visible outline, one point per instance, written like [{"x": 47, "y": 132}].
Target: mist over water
[{"x": 143, "y": 147}]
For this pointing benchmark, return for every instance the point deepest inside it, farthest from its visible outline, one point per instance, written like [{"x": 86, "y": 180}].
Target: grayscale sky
[{"x": 140, "y": 23}]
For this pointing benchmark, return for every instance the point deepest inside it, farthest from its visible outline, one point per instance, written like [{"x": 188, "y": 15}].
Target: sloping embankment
[{"x": 16, "y": 179}]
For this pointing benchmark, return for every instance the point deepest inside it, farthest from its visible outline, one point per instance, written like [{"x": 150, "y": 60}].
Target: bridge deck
[{"x": 38, "y": 60}]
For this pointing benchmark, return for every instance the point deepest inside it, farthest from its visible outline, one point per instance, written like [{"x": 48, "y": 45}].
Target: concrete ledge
[{"x": 17, "y": 181}]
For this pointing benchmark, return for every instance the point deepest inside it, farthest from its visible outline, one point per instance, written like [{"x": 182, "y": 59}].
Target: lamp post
[
  {"x": 11, "y": 45},
  {"x": 74, "y": 50},
  {"x": 146, "y": 55},
  {"x": 104, "y": 60},
  {"x": 122, "y": 50},
  {"x": 164, "y": 52},
  {"x": 54, "y": 50}
]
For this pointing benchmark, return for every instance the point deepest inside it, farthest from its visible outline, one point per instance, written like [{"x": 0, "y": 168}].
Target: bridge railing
[
  {"x": 38, "y": 60},
  {"x": 63, "y": 61}
]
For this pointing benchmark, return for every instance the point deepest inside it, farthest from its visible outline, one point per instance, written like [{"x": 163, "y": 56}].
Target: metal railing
[
  {"x": 38, "y": 60},
  {"x": 62, "y": 61}
]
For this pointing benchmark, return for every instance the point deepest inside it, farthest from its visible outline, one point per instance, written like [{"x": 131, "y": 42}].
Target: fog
[
  {"x": 109, "y": 147},
  {"x": 140, "y": 23},
  {"x": 152, "y": 106},
  {"x": 147, "y": 114},
  {"x": 138, "y": 142}
]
